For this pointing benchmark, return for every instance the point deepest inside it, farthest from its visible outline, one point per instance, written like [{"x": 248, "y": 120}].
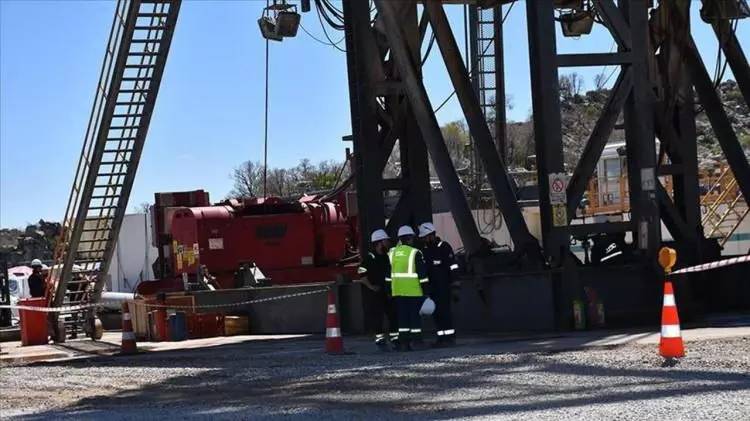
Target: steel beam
[
  {"x": 364, "y": 70},
  {"x": 494, "y": 167},
  {"x": 718, "y": 117},
  {"x": 547, "y": 120},
  {"x": 614, "y": 21},
  {"x": 429, "y": 127},
  {"x": 415, "y": 166},
  {"x": 501, "y": 119},
  {"x": 579, "y": 230},
  {"x": 671, "y": 216},
  {"x": 598, "y": 140},
  {"x": 596, "y": 59},
  {"x": 640, "y": 133},
  {"x": 734, "y": 55}
]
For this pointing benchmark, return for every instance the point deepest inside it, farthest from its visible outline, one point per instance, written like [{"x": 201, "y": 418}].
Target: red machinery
[{"x": 291, "y": 242}]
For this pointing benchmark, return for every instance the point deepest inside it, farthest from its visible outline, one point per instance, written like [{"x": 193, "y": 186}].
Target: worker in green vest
[{"x": 408, "y": 283}]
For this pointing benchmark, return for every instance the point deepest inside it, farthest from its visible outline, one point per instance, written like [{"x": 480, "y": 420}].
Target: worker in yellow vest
[{"x": 408, "y": 283}]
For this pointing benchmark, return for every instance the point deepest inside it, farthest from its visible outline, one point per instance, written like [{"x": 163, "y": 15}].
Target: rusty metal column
[
  {"x": 640, "y": 135},
  {"x": 363, "y": 62},
  {"x": 547, "y": 124},
  {"x": 415, "y": 159}
]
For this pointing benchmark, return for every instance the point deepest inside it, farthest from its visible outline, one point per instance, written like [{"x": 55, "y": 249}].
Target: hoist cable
[{"x": 265, "y": 130}]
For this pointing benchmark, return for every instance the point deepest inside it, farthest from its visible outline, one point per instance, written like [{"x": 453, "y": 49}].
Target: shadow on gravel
[{"x": 293, "y": 379}]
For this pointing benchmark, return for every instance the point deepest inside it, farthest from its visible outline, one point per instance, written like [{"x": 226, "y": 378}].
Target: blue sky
[{"x": 209, "y": 114}]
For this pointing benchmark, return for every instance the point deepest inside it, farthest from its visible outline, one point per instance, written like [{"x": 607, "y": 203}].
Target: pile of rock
[{"x": 37, "y": 241}]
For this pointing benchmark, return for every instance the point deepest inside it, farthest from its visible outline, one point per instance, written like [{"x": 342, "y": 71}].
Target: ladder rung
[
  {"x": 115, "y": 162},
  {"x": 152, "y": 15},
  {"x": 130, "y": 103},
  {"x": 142, "y": 53},
  {"x": 132, "y": 79},
  {"x": 145, "y": 41},
  {"x": 87, "y": 261},
  {"x": 114, "y": 174},
  {"x": 139, "y": 66},
  {"x": 83, "y": 281},
  {"x": 109, "y": 139},
  {"x": 126, "y": 115},
  {"x": 149, "y": 28},
  {"x": 133, "y": 91},
  {"x": 103, "y": 207},
  {"x": 122, "y": 128},
  {"x": 92, "y": 251},
  {"x": 117, "y": 150},
  {"x": 107, "y": 218},
  {"x": 102, "y": 229}
]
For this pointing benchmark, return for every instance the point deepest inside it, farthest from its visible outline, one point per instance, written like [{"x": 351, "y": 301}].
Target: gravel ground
[{"x": 256, "y": 381}]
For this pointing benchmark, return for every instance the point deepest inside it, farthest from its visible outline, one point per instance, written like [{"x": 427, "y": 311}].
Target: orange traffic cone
[
  {"x": 334, "y": 341},
  {"x": 128, "y": 336},
  {"x": 670, "y": 345}
]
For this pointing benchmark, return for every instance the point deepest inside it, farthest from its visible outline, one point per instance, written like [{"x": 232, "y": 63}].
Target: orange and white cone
[
  {"x": 670, "y": 345},
  {"x": 334, "y": 341},
  {"x": 128, "y": 336}
]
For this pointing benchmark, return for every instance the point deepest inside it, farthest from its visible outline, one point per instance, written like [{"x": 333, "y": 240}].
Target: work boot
[
  {"x": 380, "y": 342},
  {"x": 394, "y": 344},
  {"x": 417, "y": 343},
  {"x": 404, "y": 343},
  {"x": 439, "y": 343},
  {"x": 382, "y": 345}
]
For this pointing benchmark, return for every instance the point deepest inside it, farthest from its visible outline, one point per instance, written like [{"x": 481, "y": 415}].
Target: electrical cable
[
  {"x": 326, "y": 43},
  {"x": 429, "y": 49},
  {"x": 719, "y": 69},
  {"x": 321, "y": 17},
  {"x": 611, "y": 49}
]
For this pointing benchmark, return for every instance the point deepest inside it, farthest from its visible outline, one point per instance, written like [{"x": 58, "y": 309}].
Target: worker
[
  {"x": 441, "y": 266},
  {"x": 373, "y": 271},
  {"x": 36, "y": 279},
  {"x": 409, "y": 283}
]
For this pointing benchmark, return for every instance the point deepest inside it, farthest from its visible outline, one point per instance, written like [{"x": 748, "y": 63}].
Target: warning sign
[
  {"x": 216, "y": 243},
  {"x": 648, "y": 179},
  {"x": 558, "y": 185},
  {"x": 559, "y": 215}
]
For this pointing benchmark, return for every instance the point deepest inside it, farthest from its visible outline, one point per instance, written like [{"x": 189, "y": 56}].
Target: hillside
[{"x": 37, "y": 241}]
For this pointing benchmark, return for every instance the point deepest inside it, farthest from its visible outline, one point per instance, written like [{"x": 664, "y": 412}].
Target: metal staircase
[
  {"x": 724, "y": 208},
  {"x": 131, "y": 73}
]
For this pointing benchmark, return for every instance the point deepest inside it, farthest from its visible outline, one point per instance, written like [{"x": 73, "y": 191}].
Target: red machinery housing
[{"x": 291, "y": 242}]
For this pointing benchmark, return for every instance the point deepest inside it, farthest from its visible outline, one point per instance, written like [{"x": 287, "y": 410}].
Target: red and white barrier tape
[
  {"x": 713, "y": 265},
  {"x": 67, "y": 309}
]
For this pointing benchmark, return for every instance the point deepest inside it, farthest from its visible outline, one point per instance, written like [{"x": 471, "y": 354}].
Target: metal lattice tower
[
  {"x": 485, "y": 72},
  {"x": 131, "y": 73}
]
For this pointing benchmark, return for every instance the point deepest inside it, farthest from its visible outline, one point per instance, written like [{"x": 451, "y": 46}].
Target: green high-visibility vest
[{"x": 404, "y": 277}]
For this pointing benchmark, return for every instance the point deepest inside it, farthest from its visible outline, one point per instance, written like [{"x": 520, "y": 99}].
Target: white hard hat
[
  {"x": 426, "y": 229},
  {"x": 428, "y": 307},
  {"x": 405, "y": 230},
  {"x": 378, "y": 235},
  {"x": 36, "y": 262}
]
